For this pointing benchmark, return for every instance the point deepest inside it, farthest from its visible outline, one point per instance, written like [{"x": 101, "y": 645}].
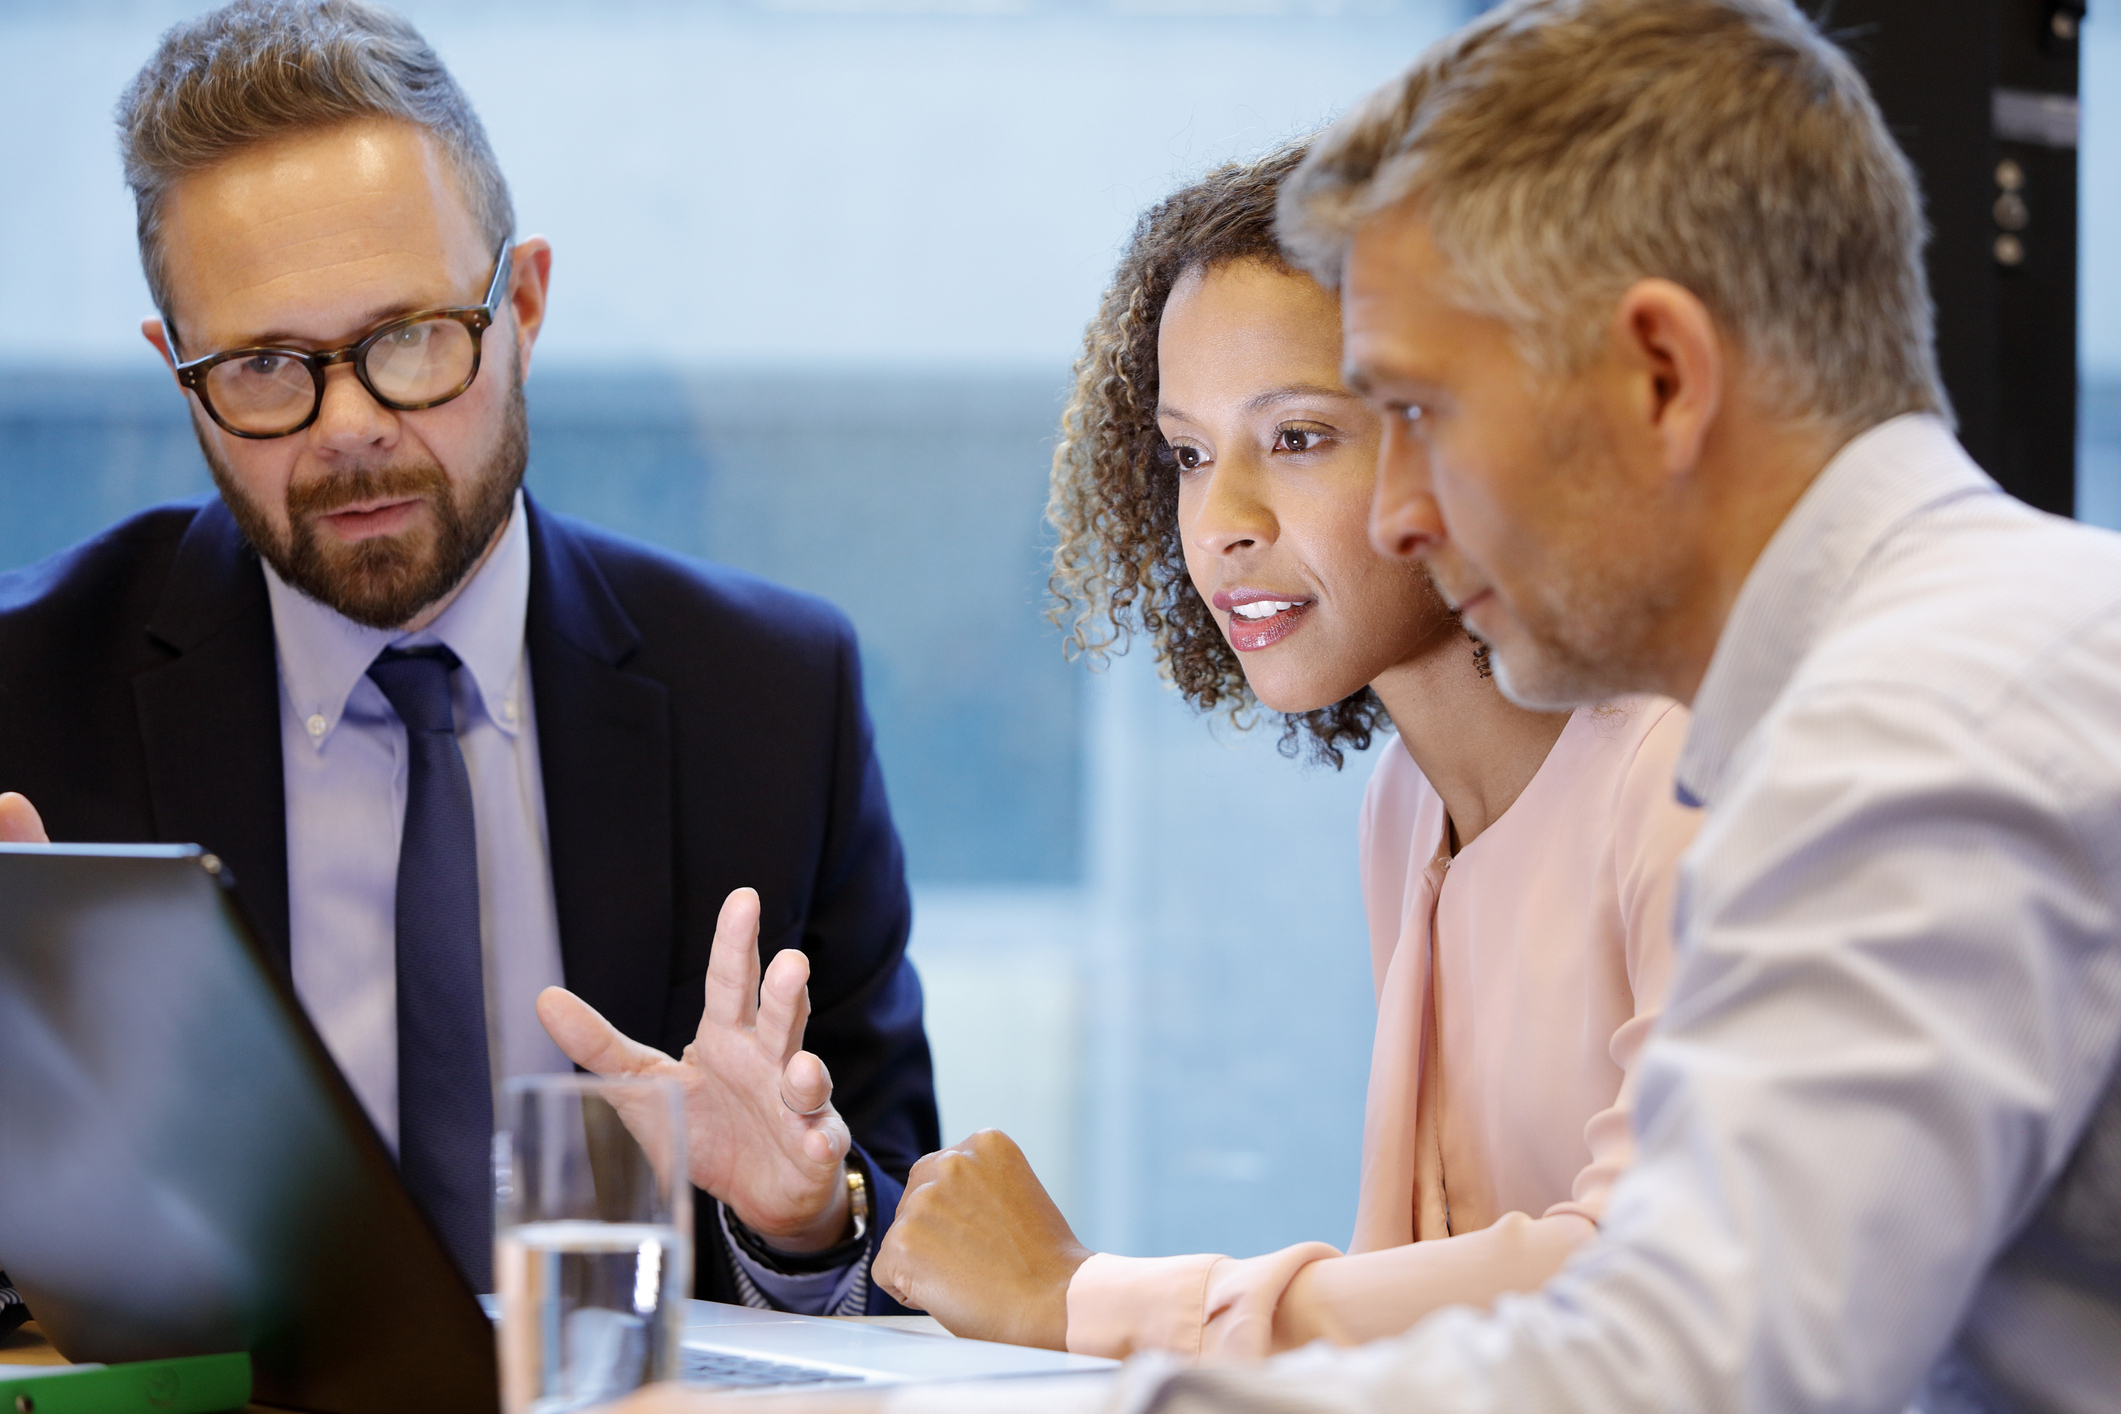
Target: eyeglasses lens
[
  {"x": 263, "y": 393},
  {"x": 421, "y": 362},
  {"x": 269, "y": 394}
]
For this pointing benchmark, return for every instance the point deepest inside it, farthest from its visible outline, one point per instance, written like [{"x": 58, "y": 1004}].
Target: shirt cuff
[
  {"x": 1119, "y": 1305},
  {"x": 839, "y": 1291},
  {"x": 12, "y": 1312}
]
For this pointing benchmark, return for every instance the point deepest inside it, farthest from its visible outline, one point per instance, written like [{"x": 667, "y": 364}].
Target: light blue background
[{"x": 820, "y": 272}]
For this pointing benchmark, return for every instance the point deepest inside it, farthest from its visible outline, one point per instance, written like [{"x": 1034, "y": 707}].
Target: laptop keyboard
[{"x": 720, "y": 1368}]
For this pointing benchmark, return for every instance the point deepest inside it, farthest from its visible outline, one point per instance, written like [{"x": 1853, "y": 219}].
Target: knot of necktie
[{"x": 416, "y": 683}]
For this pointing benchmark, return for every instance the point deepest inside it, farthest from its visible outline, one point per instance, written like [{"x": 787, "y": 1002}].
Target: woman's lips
[{"x": 1251, "y": 635}]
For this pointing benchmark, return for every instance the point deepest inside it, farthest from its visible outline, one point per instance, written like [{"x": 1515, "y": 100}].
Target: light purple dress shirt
[{"x": 344, "y": 763}]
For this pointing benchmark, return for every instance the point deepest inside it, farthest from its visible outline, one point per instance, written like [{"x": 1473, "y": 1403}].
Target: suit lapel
[
  {"x": 210, "y": 719},
  {"x": 604, "y": 743}
]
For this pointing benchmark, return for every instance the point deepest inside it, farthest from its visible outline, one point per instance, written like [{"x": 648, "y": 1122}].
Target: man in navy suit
[{"x": 502, "y": 793}]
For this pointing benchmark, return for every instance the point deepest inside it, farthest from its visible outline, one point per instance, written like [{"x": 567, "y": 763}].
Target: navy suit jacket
[{"x": 700, "y": 729}]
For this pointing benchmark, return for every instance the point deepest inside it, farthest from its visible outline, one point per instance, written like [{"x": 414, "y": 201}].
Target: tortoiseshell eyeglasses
[{"x": 419, "y": 360}]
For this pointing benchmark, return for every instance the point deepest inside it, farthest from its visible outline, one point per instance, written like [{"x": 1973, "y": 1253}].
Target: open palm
[{"x": 762, "y": 1133}]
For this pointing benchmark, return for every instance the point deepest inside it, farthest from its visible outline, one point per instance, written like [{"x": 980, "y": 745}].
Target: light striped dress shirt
[{"x": 1879, "y": 1124}]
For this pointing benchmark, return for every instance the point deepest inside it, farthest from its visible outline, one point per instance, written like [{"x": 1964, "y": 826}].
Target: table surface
[{"x": 27, "y": 1345}]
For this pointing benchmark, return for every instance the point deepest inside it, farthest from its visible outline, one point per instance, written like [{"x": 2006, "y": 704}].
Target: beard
[
  {"x": 1594, "y": 625},
  {"x": 386, "y": 580}
]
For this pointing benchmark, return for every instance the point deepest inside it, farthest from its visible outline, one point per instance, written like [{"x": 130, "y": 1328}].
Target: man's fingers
[
  {"x": 733, "y": 963},
  {"x": 784, "y": 1005},
  {"x": 590, "y": 1041},
  {"x": 806, "y": 1086},
  {"x": 19, "y": 821},
  {"x": 827, "y": 1143}
]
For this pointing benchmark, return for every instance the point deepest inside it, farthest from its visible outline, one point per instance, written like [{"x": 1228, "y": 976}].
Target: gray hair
[
  {"x": 257, "y": 70},
  {"x": 1560, "y": 150}
]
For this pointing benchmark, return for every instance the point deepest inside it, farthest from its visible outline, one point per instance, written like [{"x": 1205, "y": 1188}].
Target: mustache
[{"x": 324, "y": 496}]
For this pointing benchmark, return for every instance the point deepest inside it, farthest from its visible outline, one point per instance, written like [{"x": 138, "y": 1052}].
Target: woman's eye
[
  {"x": 1298, "y": 439},
  {"x": 1186, "y": 458}
]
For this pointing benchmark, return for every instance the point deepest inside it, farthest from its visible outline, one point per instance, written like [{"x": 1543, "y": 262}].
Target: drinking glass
[{"x": 593, "y": 1246}]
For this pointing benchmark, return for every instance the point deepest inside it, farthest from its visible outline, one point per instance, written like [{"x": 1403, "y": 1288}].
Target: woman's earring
[{"x": 1480, "y": 657}]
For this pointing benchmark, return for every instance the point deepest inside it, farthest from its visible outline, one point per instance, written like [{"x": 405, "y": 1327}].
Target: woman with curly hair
[{"x": 1211, "y": 490}]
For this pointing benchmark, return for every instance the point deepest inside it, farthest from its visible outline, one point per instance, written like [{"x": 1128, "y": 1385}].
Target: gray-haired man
[{"x": 1639, "y": 285}]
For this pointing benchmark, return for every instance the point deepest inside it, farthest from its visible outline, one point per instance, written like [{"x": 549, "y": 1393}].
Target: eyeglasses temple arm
[{"x": 503, "y": 263}]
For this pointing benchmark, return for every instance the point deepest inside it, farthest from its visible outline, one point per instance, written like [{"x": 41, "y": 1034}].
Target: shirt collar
[
  {"x": 1879, "y": 480},
  {"x": 324, "y": 655}
]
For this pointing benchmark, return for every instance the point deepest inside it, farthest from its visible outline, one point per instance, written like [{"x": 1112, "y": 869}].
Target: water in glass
[{"x": 593, "y": 1251}]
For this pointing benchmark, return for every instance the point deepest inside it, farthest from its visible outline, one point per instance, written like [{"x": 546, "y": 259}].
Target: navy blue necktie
[{"x": 445, "y": 1087}]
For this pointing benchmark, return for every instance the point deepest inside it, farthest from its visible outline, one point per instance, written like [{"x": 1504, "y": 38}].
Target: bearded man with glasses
[
  {"x": 409, "y": 364},
  {"x": 503, "y": 793}
]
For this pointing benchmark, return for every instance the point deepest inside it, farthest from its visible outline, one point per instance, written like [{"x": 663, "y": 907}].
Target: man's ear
[
  {"x": 528, "y": 283},
  {"x": 1672, "y": 360},
  {"x": 155, "y": 334}
]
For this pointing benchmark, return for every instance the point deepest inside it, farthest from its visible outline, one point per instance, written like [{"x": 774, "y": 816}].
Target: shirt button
[
  {"x": 315, "y": 724},
  {"x": 508, "y": 710}
]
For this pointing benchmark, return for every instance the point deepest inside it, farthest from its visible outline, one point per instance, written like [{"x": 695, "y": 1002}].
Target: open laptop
[{"x": 184, "y": 1171}]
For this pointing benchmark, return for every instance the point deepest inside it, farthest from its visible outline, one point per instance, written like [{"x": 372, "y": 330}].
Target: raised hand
[
  {"x": 762, "y": 1133},
  {"x": 19, "y": 821},
  {"x": 979, "y": 1245}
]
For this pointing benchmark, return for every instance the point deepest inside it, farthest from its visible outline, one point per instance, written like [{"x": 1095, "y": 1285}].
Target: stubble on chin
[
  {"x": 1589, "y": 627},
  {"x": 385, "y": 581},
  {"x": 1586, "y": 645}
]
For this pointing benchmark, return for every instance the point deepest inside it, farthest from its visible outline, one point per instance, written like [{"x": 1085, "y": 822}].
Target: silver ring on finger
[{"x": 819, "y": 1109}]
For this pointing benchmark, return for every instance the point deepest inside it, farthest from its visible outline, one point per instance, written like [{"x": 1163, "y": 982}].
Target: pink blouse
[{"x": 1515, "y": 985}]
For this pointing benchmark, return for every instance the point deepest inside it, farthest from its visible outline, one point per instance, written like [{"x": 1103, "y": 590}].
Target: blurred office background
[{"x": 822, "y": 266}]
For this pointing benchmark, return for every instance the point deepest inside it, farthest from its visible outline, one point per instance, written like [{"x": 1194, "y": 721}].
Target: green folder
[{"x": 198, "y": 1384}]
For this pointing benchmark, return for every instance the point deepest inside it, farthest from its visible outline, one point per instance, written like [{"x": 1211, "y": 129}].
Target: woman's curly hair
[{"x": 1120, "y": 563}]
